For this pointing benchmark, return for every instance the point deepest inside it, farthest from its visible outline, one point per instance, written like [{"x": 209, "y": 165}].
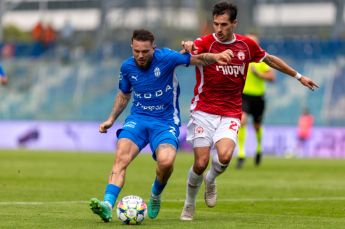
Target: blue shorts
[{"x": 143, "y": 130}]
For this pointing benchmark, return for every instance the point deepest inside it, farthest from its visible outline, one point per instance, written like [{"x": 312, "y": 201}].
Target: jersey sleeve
[
  {"x": 124, "y": 83},
  {"x": 179, "y": 59},
  {"x": 257, "y": 53},
  {"x": 199, "y": 43}
]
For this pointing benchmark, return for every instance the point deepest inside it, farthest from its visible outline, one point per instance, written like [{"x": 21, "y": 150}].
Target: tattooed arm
[
  {"x": 210, "y": 58},
  {"x": 206, "y": 58},
  {"x": 120, "y": 104}
]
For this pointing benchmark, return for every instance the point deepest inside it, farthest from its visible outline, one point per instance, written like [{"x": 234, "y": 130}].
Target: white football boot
[
  {"x": 187, "y": 212},
  {"x": 210, "y": 194}
]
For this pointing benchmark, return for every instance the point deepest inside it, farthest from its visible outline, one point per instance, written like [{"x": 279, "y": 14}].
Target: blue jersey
[{"x": 155, "y": 89}]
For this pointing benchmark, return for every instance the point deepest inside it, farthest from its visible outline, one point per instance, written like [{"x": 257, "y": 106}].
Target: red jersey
[
  {"x": 305, "y": 124},
  {"x": 218, "y": 88}
]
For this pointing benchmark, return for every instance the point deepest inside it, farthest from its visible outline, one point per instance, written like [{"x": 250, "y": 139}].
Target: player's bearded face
[
  {"x": 142, "y": 52},
  {"x": 223, "y": 28}
]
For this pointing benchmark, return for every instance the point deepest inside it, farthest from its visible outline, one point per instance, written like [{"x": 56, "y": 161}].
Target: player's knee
[
  {"x": 200, "y": 165},
  {"x": 165, "y": 165},
  {"x": 166, "y": 154},
  {"x": 225, "y": 157},
  {"x": 225, "y": 160}
]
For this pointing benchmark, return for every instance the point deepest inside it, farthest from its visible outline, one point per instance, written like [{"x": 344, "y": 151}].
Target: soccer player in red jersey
[
  {"x": 304, "y": 130},
  {"x": 217, "y": 104}
]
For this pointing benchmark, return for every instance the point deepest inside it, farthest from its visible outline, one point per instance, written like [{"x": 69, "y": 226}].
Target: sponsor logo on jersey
[
  {"x": 234, "y": 70},
  {"x": 157, "y": 72},
  {"x": 241, "y": 55},
  {"x": 150, "y": 108},
  {"x": 155, "y": 94},
  {"x": 134, "y": 77}
]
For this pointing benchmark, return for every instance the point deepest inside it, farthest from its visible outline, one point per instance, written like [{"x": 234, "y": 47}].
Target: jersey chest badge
[
  {"x": 241, "y": 55},
  {"x": 157, "y": 72}
]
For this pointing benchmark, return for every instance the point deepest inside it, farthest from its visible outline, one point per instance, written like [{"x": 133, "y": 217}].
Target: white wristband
[{"x": 298, "y": 76}]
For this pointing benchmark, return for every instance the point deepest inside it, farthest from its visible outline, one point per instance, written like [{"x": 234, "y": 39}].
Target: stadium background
[{"x": 58, "y": 94}]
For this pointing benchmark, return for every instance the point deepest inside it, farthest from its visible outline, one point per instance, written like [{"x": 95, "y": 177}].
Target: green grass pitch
[{"x": 41, "y": 189}]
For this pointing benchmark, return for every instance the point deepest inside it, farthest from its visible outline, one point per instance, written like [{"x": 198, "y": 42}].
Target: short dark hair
[
  {"x": 225, "y": 7},
  {"x": 143, "y": 35}
]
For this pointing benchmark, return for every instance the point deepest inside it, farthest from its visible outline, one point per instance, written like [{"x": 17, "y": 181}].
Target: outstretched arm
[
  {"x": 280, "y": 65},
  {"x": 210, "y": 58},
  {"x": 120, "y": 104},
  {"x": 206, "y": 58}
]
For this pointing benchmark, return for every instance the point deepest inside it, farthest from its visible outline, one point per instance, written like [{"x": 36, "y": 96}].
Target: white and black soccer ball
[{"x": 131, "y": 210}]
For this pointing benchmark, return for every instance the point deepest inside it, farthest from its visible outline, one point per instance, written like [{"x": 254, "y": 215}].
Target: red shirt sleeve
[
  {"x": 199, "y": 43},
  {"x": 256, "y": 52}
]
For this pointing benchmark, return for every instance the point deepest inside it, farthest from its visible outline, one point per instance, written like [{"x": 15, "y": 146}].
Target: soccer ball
[{"x": 131, "y": 210}]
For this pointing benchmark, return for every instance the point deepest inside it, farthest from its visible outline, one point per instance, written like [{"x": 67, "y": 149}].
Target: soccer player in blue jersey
[
  {"x": 3, "y": 77},
  {"x": 154, "y": 119}
]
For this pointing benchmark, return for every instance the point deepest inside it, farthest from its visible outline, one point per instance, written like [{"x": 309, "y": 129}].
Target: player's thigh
[
  {"x": 163, "y": 137},
  {"x": 225, "y": 148},
  {"x": 226, "y": 136},
  {"x": 126, "y": 151},
  {"x": 201, "y": 128},
  {"x": 165, "y": 155}
]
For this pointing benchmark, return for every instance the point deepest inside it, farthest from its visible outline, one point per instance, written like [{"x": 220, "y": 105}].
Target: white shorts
[{"x": 206, "y": 129}]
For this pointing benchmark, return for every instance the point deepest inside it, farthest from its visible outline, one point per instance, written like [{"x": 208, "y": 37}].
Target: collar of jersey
[{"x": 227, "y": 42}]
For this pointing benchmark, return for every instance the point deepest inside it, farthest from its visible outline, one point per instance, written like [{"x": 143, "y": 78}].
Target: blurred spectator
[
  {"x": 66, "y": 40},
  {"x": 67, "y": 33},
  {"x": 37, "y": 32},
  {"x": 7, "y": 51},
  {"x": 107, "y": 50},
  {"x": 37, "y": 37},
  {"x": 304, "y": 130},
  {"x": 49, "y": 36},
  {"x": 3, "y": 77},
  {"x": 44, "y": 38}
]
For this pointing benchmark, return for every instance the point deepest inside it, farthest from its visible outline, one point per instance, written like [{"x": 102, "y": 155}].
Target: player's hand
[
  {"x": 188, "y": 46},
  {"x": 105, "y": 126},
  {"x": 224, "y": 57},
  {"x": 308, "y": 83}
]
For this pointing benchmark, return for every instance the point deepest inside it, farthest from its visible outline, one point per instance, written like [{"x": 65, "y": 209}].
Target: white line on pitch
[{"x": 181, "y": 200}]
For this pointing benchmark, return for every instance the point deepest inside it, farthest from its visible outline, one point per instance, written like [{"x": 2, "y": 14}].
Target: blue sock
[
  {"x": 157, "y": 187},
  {"x": 111, "y": 193}
]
